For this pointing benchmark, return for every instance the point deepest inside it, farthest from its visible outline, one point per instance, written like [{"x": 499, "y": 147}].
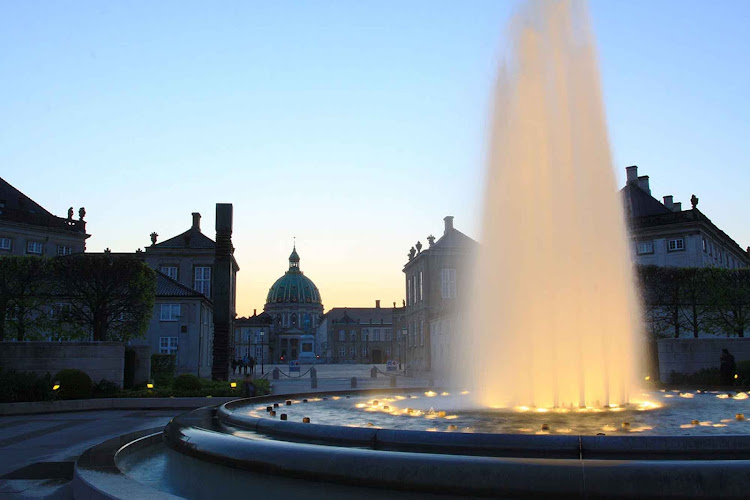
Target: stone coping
[
  {"x": 72, "y": 405},
  {"x": 198, "y": 435}
]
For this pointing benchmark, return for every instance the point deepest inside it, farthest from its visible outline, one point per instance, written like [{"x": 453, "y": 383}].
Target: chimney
[
  {"x": 668, "y": 202},
  {"x": 643, "y": 183},
  {"x": 255, "y": 312},
  {"x": 632, "y": 173},
  {"x": 377, "y": 304},
  {"x": 677, "y": 207},
  {"x": 197, "y": 221},
  {"x": 448, "y": 223}
]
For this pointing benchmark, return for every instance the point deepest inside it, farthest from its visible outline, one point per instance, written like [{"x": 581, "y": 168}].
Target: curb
[{"x": 40, "y": 407}]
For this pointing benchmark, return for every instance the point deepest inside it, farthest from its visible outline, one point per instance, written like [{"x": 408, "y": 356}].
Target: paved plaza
[{"x": 37, "y": 452}]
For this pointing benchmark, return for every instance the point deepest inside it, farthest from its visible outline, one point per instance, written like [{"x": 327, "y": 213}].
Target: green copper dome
[{"x": 294, "y": 286}]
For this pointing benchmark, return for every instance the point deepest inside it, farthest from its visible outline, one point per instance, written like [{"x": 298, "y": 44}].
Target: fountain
[
  {"x": 553, "y": 273},
  {"x": 554, "y": 407}
]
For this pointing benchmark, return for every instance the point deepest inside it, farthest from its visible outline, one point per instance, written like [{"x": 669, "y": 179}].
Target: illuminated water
[{"x": 555, "y": 312}]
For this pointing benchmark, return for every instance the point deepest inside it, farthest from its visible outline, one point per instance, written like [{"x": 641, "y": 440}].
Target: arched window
[{"x": 294, "y": 319}]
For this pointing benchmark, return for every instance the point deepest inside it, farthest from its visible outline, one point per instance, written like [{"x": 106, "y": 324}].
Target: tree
[
  {"x": 729, "y": 299},
  {"x": 112, "y": 297},
  {"x": 24, "y": 285},
  {"x": 694, "y": 299},
  {"x": 661, "y": 288}
]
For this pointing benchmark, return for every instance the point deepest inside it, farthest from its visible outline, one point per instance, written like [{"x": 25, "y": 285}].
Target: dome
[{"x": 294, "y": 286}]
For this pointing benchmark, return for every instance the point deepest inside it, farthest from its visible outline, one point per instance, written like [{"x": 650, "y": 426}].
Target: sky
[{"x": 353, "y": 126}]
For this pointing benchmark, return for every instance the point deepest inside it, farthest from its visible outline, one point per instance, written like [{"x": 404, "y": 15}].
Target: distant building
[
  {"x": 28, "y": 229},
  {"x": 182, "y": 321},
  {"x": 358, "y": 335},
  {"x": 435, "y": 277},
  {"x": 252, "y": 336},
  {"x": 664, "y": 234},
  {"x": 295, "y": 306}
]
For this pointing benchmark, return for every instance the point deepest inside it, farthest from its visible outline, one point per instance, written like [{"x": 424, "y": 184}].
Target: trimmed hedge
[
  {"x": 187, "y": 382},
  {"x": 162, "y": 368},
  {"x": 17, "y": 387},
  {"x": 74, "y": 384}
]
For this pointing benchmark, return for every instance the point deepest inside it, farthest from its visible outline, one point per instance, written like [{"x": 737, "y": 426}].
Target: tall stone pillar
[{"x": 222, "y": 291}]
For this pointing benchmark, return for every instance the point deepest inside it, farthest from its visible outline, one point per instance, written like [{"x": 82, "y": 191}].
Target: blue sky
[{"x": 354, "y": 126}]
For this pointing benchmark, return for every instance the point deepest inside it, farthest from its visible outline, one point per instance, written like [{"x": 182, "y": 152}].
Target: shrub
[
  {"x": 704, "y": 377},
  {"x": 162, "y": 368},
  {"x": 187, "y": 382},
  {"x": 104, "y": 388},
  {"x": 74, "y": 384},
  {"x": 262, "y": 386},
  {"x": 18, "y": 387},
  {"x": 743, "y": 372}
]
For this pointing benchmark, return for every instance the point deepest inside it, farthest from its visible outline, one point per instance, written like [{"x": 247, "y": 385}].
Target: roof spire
[{"x": 294, "y": 257}]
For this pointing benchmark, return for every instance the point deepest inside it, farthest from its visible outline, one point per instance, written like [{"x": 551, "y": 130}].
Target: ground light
[
  {"x": 233, "y": 385},
  {"x": 56, "y": 387},
  {"x": 149, "y": 385}
]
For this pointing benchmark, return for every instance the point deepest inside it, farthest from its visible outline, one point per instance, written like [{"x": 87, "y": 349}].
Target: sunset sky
[{"x": 354, "y": 126}]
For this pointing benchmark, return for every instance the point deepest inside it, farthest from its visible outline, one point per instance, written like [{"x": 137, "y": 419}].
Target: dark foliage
[{"x": 74, "y": 384}]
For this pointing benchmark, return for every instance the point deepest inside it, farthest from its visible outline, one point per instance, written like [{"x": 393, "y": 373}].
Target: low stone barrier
[
  {"x": 7, "y": 409},
  {"x": 690, "y": 355}
]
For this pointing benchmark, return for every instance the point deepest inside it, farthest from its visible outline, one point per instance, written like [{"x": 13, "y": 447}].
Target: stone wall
[
  {"x": 691, "y": 355},
  {"x": 100, "y": 360}
]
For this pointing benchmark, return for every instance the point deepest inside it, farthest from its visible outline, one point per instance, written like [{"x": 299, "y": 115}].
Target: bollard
[
  {"x": 393, "y": 381},
  {"x": 354, "y": 382},
  {"x": 276, "y": 373},
  {"x": 374, "y": 372}
]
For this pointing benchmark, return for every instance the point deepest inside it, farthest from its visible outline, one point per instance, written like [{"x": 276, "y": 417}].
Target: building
[
  {"x": 182, "y": 321},
  {"x": 664, "y": 234},
  {"x": 26, "y": 228},
  {"x": 252, "y": 336},
  {"x": 435, "y": 278},
  {"x": 181, "y": 324},
  {"x": 358, "y": 335},
  {"x": 295, "y": 306}
]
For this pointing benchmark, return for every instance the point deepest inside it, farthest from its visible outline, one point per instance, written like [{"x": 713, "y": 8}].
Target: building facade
[
  {"x": 663, "y": 234},
  {"x": 252, "y": 337},
  {"x": 436, "y": 279},
  {"x": 182, "y": 321},
  {"x": 358, "y": 335},
  {"x": 26, "y": 228},
  {"x": 295, "y": 307}
]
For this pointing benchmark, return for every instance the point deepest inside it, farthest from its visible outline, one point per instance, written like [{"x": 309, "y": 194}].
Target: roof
[
  {"x": 17, "y": 207},
  {"x": 167, "y": 287},
  {"x": 192, "y": 238},
  {"x": 293, "y": 286},
  {"x": 453, "y": 238},
  {"x": 361, "y": 315},
  {"x": 639, "y": 203},
  {"x": 262, "y": 319}
]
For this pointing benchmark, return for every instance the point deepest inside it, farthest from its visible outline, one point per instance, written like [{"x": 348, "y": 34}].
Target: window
[
  {"x": 366, "y": 334},
  {"x": 170, "y": 312},
  {"x": 342, "y": 351},
  {"x": 203, "y": 280},
  {"x": 448, "y": 283},
  {"x": 387, "y": 334},
  {"x": 675, "y": 245},
  {"x": 168, "y": 345},
  {"x": 704, "y": 245},
  {"x": 421, "y": 333},
  {"x": 388, "y": 351},
  {"x": 376, "y": 334},
  {"x": 645, "y": 247},
  {"x": 170, "y": 271},
  {"x": 34, "y": 247},
  {"x": 421, "y": 297},
  {"x": 342, "y": 336},
  {"x": 352, "y": 351},
  {"x": 364, "y": 350},
  {"x": 64, "y": 250},
  {"x": 5, "y": 243},
  {"x": 414, "y": 289},
  {"x": 353, "y": 335},
  {"x": 408, "y": 291}
]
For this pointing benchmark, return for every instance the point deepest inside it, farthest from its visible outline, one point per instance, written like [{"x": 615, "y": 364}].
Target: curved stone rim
[
  {"x": 665, "y": 447},
  {"x": 198, "y": 434}
]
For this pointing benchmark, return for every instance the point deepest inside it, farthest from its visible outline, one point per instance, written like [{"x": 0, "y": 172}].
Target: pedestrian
[
  {"x": 248, "y": 386},
  {"x": 252, "y": 365},
  {"x": 234, "y": 366},
  {"x": 727, "y": 368},
  {"x": 245, "y": 363}
]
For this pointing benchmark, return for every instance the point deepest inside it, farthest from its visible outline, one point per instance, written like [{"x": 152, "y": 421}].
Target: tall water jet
[{"x": 556, "y": 318}]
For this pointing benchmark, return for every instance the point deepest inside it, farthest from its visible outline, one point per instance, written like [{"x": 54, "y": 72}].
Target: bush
[
  {"x": 187, "y": 382},
  {"x": 105, "y": 389},
  {"x": 262, "y": 386},
  {"x": 704, "y": 377},
  {"x": 162, "y": 368},
  {"x": 74, "y": 384},
  {"x": 743, "y": 372},
  {"x": 16, "y": 387}
]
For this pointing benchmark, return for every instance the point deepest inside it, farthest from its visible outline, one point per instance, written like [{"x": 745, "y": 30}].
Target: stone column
[{"x": 222, "y": 291}]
